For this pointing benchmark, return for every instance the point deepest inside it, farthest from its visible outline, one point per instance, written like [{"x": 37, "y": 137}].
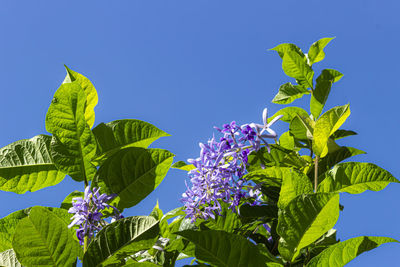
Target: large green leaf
[
  {"x": 270, "y": 175},
  {"x": 120, "y": 239},
  {"x": 73, "y": 145},
  {"x": 342, "y": 253},
  {"x": 8, "y": 259},
  {"x": 7, "y": 228},
  {"x": 90, "y": 91},
  {"x": 135, "y": 172},
  {"x": 302, "y": 128},
  {"x": 116, "y": 135},
  {"x": 326, "y": 125},
  {"x": 304, "y": 220},
  {"x": 288, "y": 93},
  {"x": 289, "y": 113},
  {"x": 316, "y": 52},
  {"x": 26, "y": 165},
  {"x": 355, "y": 178},
  {"x": 286, "y": 140},
  {"x": 295, "y": 66},
  {"x": 322, "y": 90},
  {"x": 294, "y": 183},
  {"x": 43, "y": 239},
  {"x": 220, "y": 248}
]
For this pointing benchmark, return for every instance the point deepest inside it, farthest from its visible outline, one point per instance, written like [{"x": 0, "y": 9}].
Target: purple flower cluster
[
  {"x": 88, "y": 214},
  {"x": 219, "y": 171}
]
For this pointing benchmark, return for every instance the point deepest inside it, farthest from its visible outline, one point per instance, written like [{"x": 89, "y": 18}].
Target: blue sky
[{"x": 187, "y": 66}]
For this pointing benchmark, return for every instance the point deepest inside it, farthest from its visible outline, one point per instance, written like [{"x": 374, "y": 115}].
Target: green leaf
[
  {"x": 294, "y": 66},
  {"x": 289, "y": 113},
  {"x": 322, "y": 90},
  {"x": 116, "y": 135},
  {"x": 326, "y": 125},
  {"x": 287, "y": 141},
  {"x": 73, "y": 145},
  {"x": 342, "y": 133},
  {"x": 294, "y": 183},
  {"x": 288, "y": 93},
  {"x": 26, "y": 165},
  {"x": 7, "y": 228},
  {"x": 339, "y": 155},
  {"x": 220, "y": 248},
  {"x": 285, "y": 47},
  {"x": 342, "y": 253},
  {"x": 181, "y": 165},
  {"x": 67, "y": 202},
  {"x": 8, "y": 259},
  {"x": 133, "y": 173},
  {"x": 261, "y": 158},
  {"x": 90, "y": 91},
  {"x": 316, "y": 51},
  {"x": 120, "y": 239},
  {"x": 355, "y": 178},
  {"x": 43, "y": 239},
  {"x": 302, "y": 128},
  {"x": 271, "y": 175},
  {"x": 304, "y": 220}
]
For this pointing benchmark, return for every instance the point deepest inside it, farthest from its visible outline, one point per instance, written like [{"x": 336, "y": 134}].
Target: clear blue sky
[{"x": 186, "y": 66}]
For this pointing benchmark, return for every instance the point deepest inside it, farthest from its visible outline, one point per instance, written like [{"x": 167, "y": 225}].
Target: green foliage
[
  {"x": 26, "y": 165},
  {"x": 304, "y": 220},
  {"x": 135, "y": 172},
  {"x": 343, "y": 252},
  {"x": 73, "y": 145},
  {"x": 120, "y": 239},
  {"x": 289, "y": 224},
  {"x": 288, "y": 93},
  {"x": 43, "y": 238},
  {"x": 355, "y": 178},
  {"x": 220, "y": 248},
  {"x": 116, "y": 135}
]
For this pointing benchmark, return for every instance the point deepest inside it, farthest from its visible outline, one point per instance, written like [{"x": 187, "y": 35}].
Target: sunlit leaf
[
  {"x": 305, "y": 219},
  {"x": 120, "y": 239},
  {"x": 355, "y": 178},
  {"x": 116, "y": 135},
  {"x": 322, "y": 90},
  {"x": 342, "y": 133},
  {"x": 316, "y": 52},
  {"x": 90, "y": 91},
  {"x": 326, "y": 125},
  {"x": 26, "y": 165},
  {"x": 281, "y": 49},
  {"x": 289, "y": 113},
  {"x": 294, "y": 66},
  {"x": 43, "y": 239},
  {"x": 73, "y": 145},
  {"x": 294, "y": 183},
  {"x": 342, "y": 253},
  {"x": 288, "y": 93},
  {"x": 135, "y": 172}
]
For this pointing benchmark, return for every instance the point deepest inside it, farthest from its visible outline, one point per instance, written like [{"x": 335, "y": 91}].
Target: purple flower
[
  {"x": 87, "y": 213},
  {"x": 219, "y": 170}
]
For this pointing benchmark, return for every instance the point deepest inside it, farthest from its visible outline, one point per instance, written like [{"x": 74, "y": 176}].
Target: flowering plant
[{"x": 252, "y": 199}]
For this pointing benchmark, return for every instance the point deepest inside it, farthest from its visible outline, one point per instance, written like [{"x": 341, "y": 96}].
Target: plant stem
[
  {"x": 85, "y": 244},
  {"x": 316, "y": 173}
]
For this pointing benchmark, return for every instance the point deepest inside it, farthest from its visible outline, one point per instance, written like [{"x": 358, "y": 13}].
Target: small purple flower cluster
[
  {"x": 219, "y": 171},
  {"x": 88, "y": 214}
]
